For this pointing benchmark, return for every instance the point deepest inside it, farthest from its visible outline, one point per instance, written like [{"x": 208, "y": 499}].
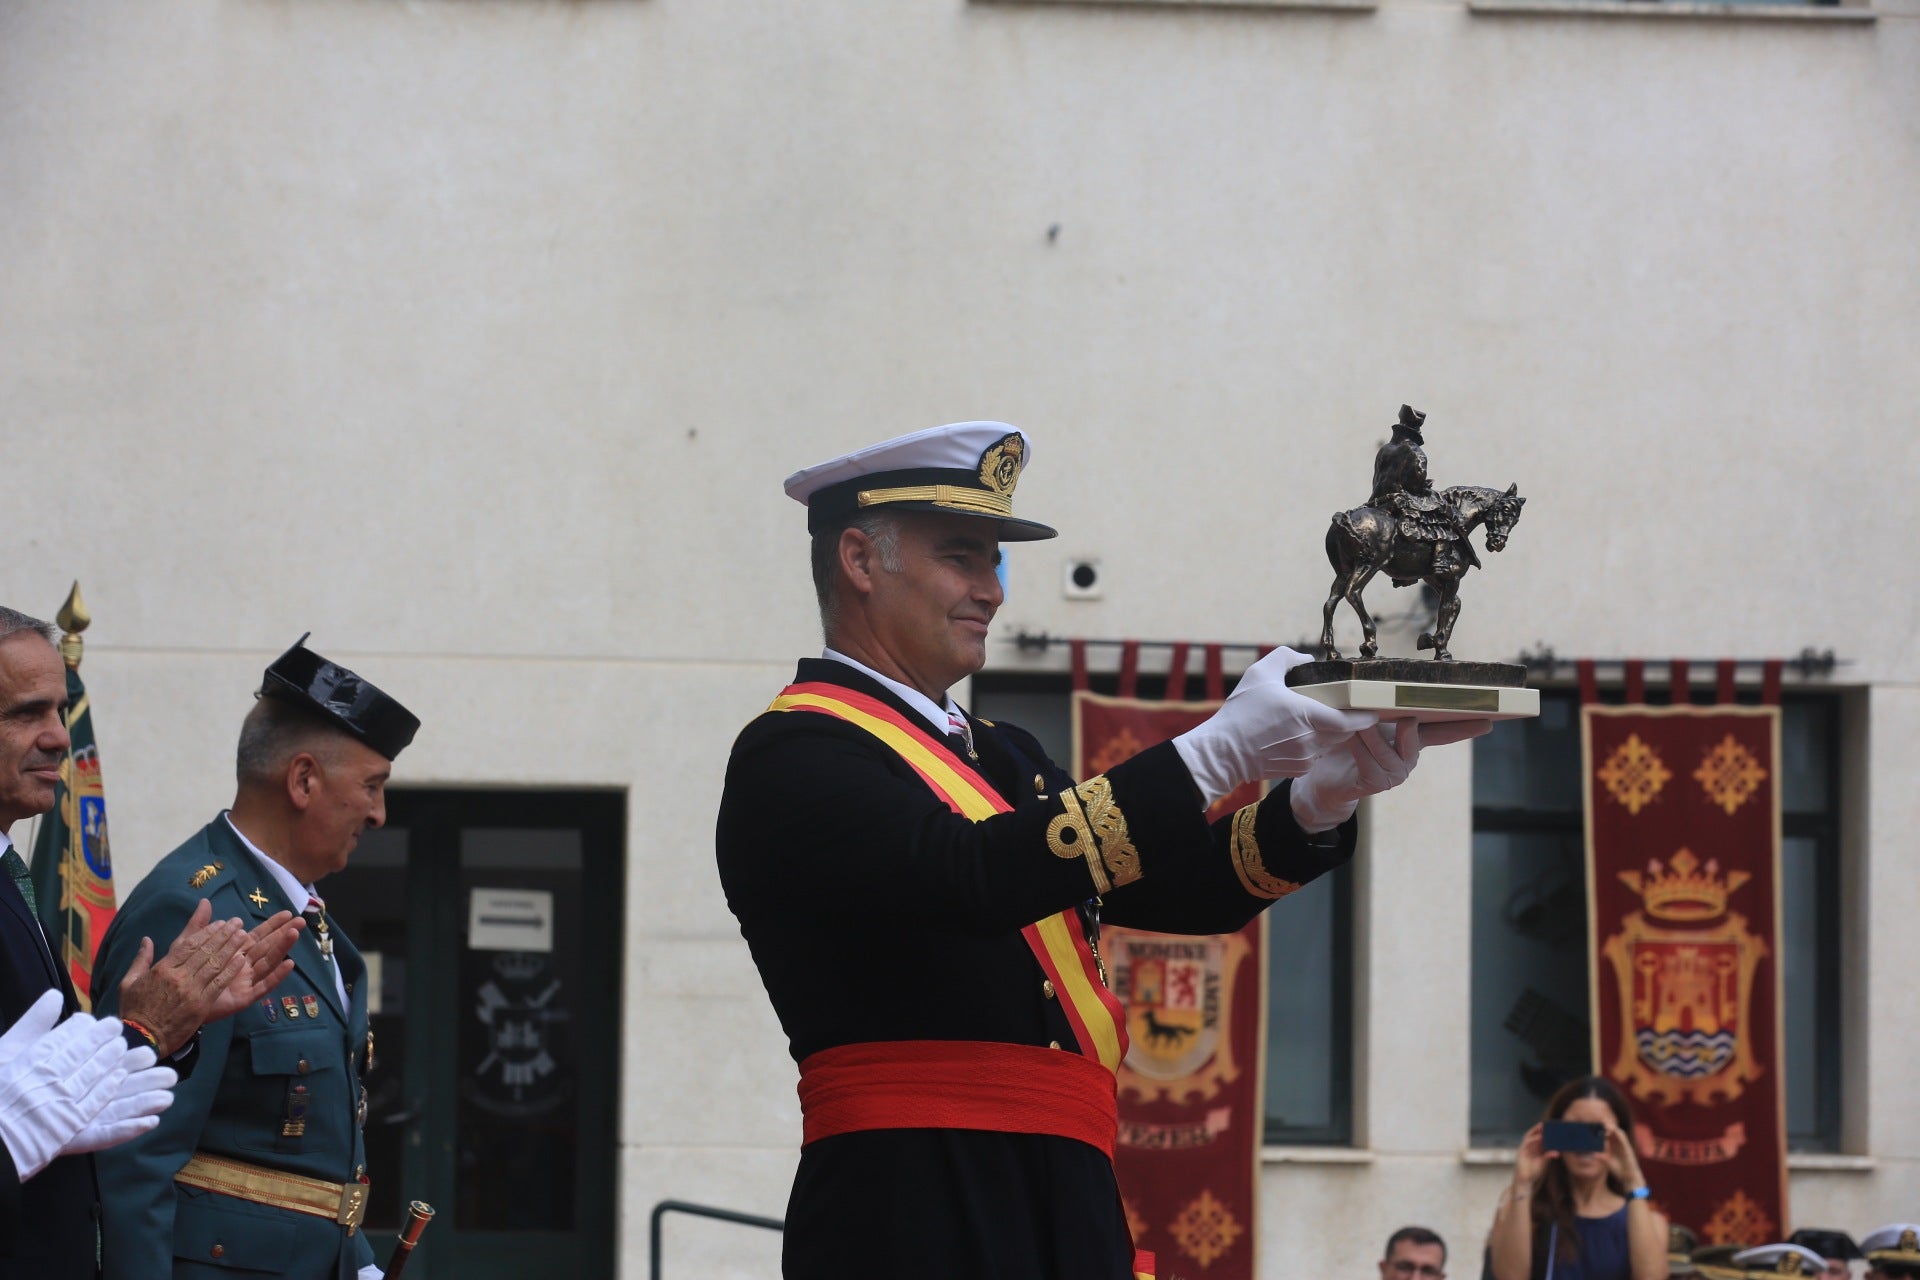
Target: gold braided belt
[{"x": 345, "y": 1203}]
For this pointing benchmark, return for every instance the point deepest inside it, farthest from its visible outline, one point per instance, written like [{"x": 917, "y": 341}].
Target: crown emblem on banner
[{"x": 1684, "y": 890}]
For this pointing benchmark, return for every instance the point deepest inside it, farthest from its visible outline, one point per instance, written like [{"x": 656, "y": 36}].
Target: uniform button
[
  {"x": 219, "y": 1251},
  {"x": 1053, "y": 1044},
  {"x": 302, "y": 1066},
  {"x": 1039, "y": 785},
  {"x": 1046, "y": 986}
]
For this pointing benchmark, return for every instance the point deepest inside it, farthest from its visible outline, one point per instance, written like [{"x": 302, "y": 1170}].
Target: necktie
[
  {"x": 316, "y": 914},
  {"x": 957, "y": 736},
  {"x": 22, "y": 878}
]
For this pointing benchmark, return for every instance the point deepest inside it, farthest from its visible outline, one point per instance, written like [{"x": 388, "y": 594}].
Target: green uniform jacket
[{"x": 238, "y": 1101}]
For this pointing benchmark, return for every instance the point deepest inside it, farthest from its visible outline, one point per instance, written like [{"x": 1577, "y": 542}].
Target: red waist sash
[{"x": 957, "y": 1084}]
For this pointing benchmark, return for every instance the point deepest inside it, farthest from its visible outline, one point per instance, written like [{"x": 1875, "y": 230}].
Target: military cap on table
[
  {"x": 1897, "y": 1245},
  {"x": 1827, "y": 1243},
  {"x": 962, "y": 468},
  {"x": 1715, "y": 1262},
  {"x": 304, "y": 678},
  {"x": 1681, "y": 1242},
  {"x": 1780, "y": 1260}
]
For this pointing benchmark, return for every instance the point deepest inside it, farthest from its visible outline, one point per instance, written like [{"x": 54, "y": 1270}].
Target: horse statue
[{"x": 1366, "y": 540}]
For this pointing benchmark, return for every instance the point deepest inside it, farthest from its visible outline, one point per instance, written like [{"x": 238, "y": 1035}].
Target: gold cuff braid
[
  {"x": 1110, "y": 827},
  {"x": 1091, "y": 826},
  {"x": 1247, "y": 863},
  {"x": 1069, "y": 837}
]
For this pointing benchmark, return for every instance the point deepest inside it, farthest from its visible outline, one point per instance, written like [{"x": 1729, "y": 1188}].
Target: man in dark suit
[
  {"x": 260, "y": 1164},
  {"x": 48, "y": 1221},
  {"x": 922, "y": 890}
]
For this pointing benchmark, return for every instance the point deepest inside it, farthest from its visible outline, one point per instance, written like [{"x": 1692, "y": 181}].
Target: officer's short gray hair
[
  {"x": 12, "y": 620},
  {"x": 276, "y": 731},
  {"x": 882, "y": 528}
]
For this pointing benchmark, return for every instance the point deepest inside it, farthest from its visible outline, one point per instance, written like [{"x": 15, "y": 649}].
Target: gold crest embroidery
[
  {"x": 1205, "y": 1229},
  {"x": 1730, "y": 775},
  {"x": 1634, "y": 774},
  {"x": 1247, "y": 862},
  {"x": 1000, "y": 465},
  {"x": 205, "y": 874}
]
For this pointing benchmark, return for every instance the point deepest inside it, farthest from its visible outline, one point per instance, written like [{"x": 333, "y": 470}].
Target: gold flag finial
[{"x": 73, "y": 619}]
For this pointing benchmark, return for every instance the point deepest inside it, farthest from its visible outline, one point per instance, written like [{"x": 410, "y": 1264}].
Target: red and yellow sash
[
  {"x": 1058, "y": 942},
  {"x": 855, "y": 1087}
]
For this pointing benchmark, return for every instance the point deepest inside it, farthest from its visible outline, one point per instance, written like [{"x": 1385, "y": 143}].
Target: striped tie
[{"x": 22, "y": 878}]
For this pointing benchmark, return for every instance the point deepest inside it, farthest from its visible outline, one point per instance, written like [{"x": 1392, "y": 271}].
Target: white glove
[
  {"x": 55, "y": 1079},
  {"x": 1264, "y": 730},
  {"x": 1370, "y": 762},
  {"x": 136, "y": 1108}
]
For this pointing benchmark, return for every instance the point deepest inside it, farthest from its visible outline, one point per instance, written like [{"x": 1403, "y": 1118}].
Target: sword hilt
[{"x": 419, "y": 1214}]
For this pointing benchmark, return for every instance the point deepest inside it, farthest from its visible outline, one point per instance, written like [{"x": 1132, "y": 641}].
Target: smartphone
[{"x": 1576, "y": 1136}]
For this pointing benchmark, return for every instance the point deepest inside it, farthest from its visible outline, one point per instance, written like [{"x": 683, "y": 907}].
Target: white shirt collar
[
  {"x": 6, "y": 843},
  {"x": 297, "y": 893},
  {"x": 935, "y": 715}
]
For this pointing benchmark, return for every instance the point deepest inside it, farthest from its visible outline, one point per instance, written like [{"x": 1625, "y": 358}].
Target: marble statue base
[{"x": 1419, "y": 688}]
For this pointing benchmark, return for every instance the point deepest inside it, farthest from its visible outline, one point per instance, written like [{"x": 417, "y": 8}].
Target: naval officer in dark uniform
[
  {"x": 260, "y": 1164},
  {"x": 922, "y": 890}
]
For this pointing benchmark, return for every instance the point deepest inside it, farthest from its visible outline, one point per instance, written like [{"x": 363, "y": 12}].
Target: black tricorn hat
[{"x": 356, "y": 705}]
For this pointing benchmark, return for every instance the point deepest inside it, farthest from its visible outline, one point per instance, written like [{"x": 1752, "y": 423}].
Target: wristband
[
  {"x": 142, "y": 1032},
  {"x": 1640, "y": 1192}
]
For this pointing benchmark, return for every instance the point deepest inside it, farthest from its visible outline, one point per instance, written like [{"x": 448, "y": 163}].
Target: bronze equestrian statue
[{"x": 1415, "y": 534}]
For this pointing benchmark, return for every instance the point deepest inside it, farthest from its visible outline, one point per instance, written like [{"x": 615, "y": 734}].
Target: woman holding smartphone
[{"x": 1578, "y": 1207}]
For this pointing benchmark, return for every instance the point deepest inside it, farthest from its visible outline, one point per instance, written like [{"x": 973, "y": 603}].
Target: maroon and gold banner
[
  {"x": 1683, "y": 860},
  {"x": 1190, "y": 1085}
]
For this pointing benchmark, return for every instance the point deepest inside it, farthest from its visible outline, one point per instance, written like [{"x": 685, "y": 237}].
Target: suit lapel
[{"x": 30, "y": 926}]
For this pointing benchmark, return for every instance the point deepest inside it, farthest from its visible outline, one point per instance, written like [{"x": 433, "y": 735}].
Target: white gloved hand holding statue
[{"x": 1265, "y": 731}]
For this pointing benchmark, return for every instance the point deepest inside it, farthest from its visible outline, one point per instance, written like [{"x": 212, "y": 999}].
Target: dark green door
[{"x": 493, "y": 920}]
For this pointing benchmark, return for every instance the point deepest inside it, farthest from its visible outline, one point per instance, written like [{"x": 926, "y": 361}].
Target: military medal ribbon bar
[{"x": 1683, "y": 856}]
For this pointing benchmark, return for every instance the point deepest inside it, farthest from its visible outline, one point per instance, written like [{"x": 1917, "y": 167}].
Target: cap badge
[
  {"x": 1792, "y": 1264},
  {"x": 1000, "y": 465},
  {"x": 1909, "y": 1240}
]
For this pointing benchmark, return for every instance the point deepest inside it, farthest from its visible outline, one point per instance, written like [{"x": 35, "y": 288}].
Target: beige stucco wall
[{"x": 476, "y": 337}]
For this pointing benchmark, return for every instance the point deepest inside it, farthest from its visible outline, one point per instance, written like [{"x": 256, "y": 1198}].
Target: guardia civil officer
[
  {"x": 260, "y": 1164},
  {"x": 48, "y": 1080},
  {"x": 921, "y": 889}
]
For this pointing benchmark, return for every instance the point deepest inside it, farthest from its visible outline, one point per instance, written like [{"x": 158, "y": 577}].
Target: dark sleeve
[
  {"x": 817, "y": 810},
  {"x": 1254, "y": 858},
  {"x": 136, "y": 1178}
]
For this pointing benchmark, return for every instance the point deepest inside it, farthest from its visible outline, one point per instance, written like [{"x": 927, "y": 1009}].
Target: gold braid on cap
[
  {"x": 1244, "y": 848},
  {"x": 1091, "y": 826}
]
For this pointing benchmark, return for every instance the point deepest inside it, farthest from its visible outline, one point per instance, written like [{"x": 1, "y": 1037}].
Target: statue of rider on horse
[{"x": 1413, "y": 532}]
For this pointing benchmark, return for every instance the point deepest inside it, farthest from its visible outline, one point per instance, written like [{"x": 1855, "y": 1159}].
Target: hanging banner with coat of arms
[
  {"x": 1683, "y": 855},
  {"x": 1190, "y": 1086}
]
